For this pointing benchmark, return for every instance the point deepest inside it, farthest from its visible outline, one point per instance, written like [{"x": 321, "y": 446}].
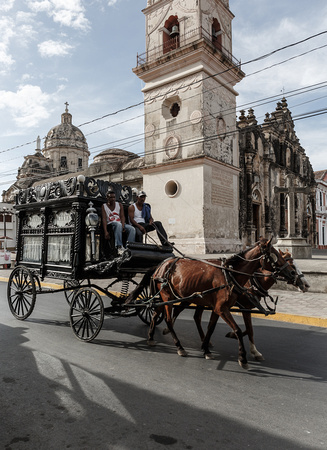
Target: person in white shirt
[
  {"x": 140, "y": 217},
  {"x": 113, "y": 216}
]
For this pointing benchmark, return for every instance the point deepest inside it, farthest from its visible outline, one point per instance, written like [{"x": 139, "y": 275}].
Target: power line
[{"x": 209, "y": 76}]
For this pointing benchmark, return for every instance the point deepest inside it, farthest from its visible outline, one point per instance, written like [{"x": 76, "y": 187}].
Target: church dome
[
  {"x": 65, "y": 135},
  {"x": 113, "y": 155}
]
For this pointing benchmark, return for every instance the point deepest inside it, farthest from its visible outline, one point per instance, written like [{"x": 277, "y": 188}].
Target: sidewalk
[{"x": 308, "y": 308}]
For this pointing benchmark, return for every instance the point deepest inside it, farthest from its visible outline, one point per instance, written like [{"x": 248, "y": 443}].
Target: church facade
[{"x": 273, "y": 164}]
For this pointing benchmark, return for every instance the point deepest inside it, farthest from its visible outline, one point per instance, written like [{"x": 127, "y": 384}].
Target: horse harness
[{"x": 231, "y": 283}]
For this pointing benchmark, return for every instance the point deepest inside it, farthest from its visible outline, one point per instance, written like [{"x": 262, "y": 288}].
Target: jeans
[
  {"x": 118, "y": 233},
  {"x": 161, "y": 232}
]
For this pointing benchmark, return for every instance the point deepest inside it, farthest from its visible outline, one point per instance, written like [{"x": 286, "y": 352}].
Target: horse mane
[{"x": 236, "y": 257}]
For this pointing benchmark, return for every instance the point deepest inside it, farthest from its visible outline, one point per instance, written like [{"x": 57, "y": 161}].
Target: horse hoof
[
  {"x": 151, "y": 343},
  {"x": 209, "y": 356},
  {"x": 182, "y": 352},
  {"x": 244, "y": 366},
  {"x": 259, "y": 358},
  {"x": 231, "y": 335},
  {"x": 165, "y": 331}
]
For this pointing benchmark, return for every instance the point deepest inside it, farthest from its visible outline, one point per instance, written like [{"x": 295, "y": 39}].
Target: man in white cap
[{"x": 140, "y": 217}]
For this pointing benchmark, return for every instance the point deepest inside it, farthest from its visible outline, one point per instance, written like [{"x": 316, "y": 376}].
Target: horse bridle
[{"x": 278, "y": 270}]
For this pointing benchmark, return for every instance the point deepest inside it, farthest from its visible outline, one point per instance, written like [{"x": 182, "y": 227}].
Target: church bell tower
[{"x": 191, "y": 143}]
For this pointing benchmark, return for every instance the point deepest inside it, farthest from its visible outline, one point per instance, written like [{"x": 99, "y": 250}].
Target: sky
[{"x": 83, "y": 51}]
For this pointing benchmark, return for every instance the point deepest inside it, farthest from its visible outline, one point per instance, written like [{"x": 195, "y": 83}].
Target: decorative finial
[
  {"x": 38, "y": 143},
  {"x": 67, "y": 104}
]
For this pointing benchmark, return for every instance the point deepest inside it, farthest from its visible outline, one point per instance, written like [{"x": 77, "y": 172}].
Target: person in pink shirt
[{"x": 113, "y": 216}]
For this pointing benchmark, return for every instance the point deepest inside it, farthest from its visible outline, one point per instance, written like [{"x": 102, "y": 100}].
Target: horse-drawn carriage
[{"x": 60, "y": 236}]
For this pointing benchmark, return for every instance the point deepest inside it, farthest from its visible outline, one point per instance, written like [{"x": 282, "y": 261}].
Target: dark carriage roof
[{"x": 72, "y": 189}]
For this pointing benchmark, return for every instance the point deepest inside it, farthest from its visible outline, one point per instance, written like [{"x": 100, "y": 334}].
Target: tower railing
[{"x": 181, "y": 42}]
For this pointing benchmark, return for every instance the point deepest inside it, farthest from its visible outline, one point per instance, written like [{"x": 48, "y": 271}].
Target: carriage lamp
[{"x": 92, "y": 220}]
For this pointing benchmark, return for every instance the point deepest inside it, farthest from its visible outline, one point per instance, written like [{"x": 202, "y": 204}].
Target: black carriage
[{"x": 60, "y": 236}]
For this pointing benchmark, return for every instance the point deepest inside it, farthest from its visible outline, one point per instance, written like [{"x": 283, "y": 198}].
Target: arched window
[
  {"x": 216, "y": 34},
  {"x": 171, "y": 34}
]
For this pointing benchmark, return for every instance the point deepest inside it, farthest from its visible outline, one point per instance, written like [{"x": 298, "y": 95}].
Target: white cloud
[
  {"x": 70, "y": 13},
  {"x": 7, "y": 32},
  {"x": 27, "y": 106},
  {"x": 112, "y": 2},
  {"x": 54, "y": 48},
  {"x": 6, "y": 5}
]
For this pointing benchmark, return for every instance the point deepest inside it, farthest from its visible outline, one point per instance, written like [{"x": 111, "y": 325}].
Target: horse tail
[{"x": 144, "y": 282}]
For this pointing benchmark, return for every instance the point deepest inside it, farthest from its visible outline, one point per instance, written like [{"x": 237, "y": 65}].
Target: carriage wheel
[
  {"x": 69, "y": 293},
  {"x": 86, "y": 314},
  {"x": 145, "y": 314},
  {"x": 21, "y": 292}
]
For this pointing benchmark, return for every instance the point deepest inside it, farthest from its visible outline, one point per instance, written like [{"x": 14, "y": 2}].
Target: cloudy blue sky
[{"x": 83, "y": 52}]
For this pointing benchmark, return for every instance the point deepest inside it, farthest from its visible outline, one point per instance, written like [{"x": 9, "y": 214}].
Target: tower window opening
[
  {"x": 216, "y": 34},
  {"x": 171, "y": 34},
  {"x": 174, "y": 110},
  {"x": 80, "y": 163}
]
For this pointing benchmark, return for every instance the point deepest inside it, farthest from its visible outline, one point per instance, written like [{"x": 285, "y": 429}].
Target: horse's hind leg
[
  {"x": 176, "y": 312},
  {"x": 152, "y": 327},
  {"x": 249, "y": 329},
  {"x": 169, "y": 322}
]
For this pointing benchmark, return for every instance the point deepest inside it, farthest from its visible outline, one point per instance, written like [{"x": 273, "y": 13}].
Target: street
[{"x": 117, "y": 393}]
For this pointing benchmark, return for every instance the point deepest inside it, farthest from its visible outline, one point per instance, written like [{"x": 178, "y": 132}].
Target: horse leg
[
  {"x": 152, "y": 328},
  {"x": 249, "y": 330},
  {"x": 197, "y": 319},
  {"x": 206, "y": 341},
  {"x": 177, "y": 310},
  {"x": 169, "y": 322},
  {"x": 228, "y": 318}
]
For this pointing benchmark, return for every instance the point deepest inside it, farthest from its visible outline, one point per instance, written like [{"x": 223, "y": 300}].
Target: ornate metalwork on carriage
[
  {"x": 172, "y": 146},
  {"x": 34, "y": 221},
  {"x": 99, "y": 188},
  {"x": 61, "y": 219},
  {"x": 54, "y": 190}
]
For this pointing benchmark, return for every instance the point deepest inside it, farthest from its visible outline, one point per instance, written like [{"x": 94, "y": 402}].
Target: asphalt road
[{"x": 116, "y": 393}]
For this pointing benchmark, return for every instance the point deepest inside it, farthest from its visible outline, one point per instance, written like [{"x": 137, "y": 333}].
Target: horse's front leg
[
  {"x": 206, "y": 341},
  {"x": 226, "y": 315},
  {"x": 249, "y": 329}
]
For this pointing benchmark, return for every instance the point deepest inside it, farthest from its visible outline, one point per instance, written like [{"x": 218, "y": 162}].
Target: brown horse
[
  {"x": 258, "y": 287},
  {"x": 211, "y": 286}
]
